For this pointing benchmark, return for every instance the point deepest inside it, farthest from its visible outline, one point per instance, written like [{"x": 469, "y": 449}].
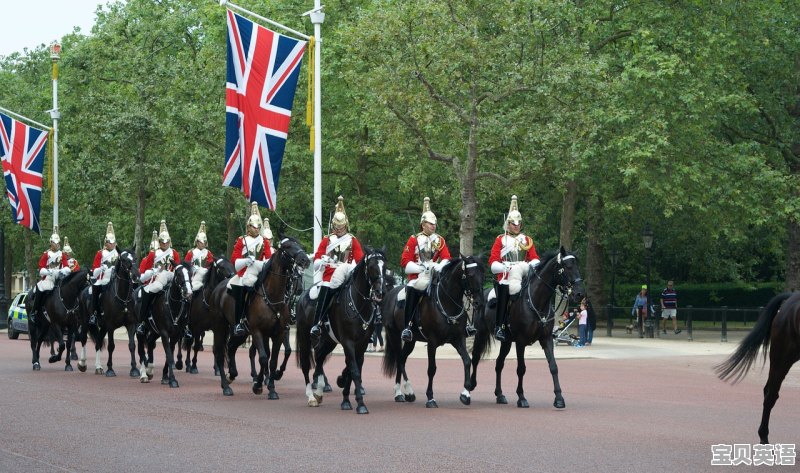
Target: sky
[{"x": 51, "y": 19}]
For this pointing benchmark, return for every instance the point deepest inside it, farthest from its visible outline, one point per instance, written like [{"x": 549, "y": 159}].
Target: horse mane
[
  {"x": 69, "y": 278},
  {"x": 265, "y": 270},
  {"x": 450, "y": 266},
  {"x": 547, "y": 257}
]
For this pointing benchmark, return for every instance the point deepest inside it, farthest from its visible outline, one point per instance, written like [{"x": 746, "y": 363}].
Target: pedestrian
[
  {"x": 639, "y": 308},
  {"x": 583, "y": 324},
  {"x": 591, "y": 323},
  {"x": 669, "y": 307}
]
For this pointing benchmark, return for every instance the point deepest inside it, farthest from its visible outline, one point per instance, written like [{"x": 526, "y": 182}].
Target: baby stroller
[{"x": 561, "y": 333}]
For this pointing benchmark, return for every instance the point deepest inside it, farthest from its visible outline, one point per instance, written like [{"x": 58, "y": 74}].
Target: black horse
[
  {"x": 531, "y": 318},
  {"x": 59, "y": 312},
  {"x": 169, "y": 309},
  {"x": 267, "y": 316},
  {"x": 200, "y": 312},
  {"x": 777, "y": 330},
  {"x": 350, "y": 323},
  {"x": 442, "y": 319},
  {"x": 118, "y": 310}
]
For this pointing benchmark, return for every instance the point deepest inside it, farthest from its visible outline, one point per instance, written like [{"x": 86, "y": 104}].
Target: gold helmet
[
  {"x": 254, "y": 220},
  {"x": 54, "y": 238},
  {"x": 163, "y": 234},
  {"x": 427, "y": 215},
  {"x": 513, "y": 214},
  {"x": 154, "y": 241},
  {"x": 67, "y": 248},
  {"x": 201, "y": 233},
  {"x": 339, "y": 219},
  {"x": 266, "y": 232},
  {"x": 110, "y": 237}
]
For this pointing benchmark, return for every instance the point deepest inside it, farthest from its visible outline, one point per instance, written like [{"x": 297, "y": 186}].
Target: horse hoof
[
  {"x": 313, "y": 403},
  {"x": 194, "y": 371},
  {"x": 559, "y": 404},
  {"x": 258, "y": 390},
  {"x": 54, "y": 359},
  {"x": 318, "y": 399},
  {"x": 346, "y": 406},
  {"x": 81, "y": 368},
  {"x": 179, "y": 365},
  {"x": 37, "y": 366},
  {"x": 149, "y": 376},
  {"x": 411, "y": 397},
  {"x": 501, "y": 399},
  {"x": 144, "y": 380},
  {"x": 231, "y": 378},
  {"x": 399, "y": 398},
  {"x": 188, "y": 368},
  {"x": 74, "y": 357},
  {"x": 164, "y": 381},
  {"x": 362, "y": 409},
  {"x": 68, "y": 368},
  {"x": 134, "y": 373},
  {"x": 340, "y": 381},
  {"x": 227, "y": 392},
  {"x": 431, "y": 404},
  {"x": 327, "y": 388},
  {"x": 98, "y": 371},
  {"x": 278, "y": 375},
  {"x": 523, "y": 403},
  {"x": 465, "y": 399},
  {"x": 111, "y": 374},
  {"x": 273, "y": 396},
  {"x": 174, "y": 384},
  {"x": 216, "y": 371}
]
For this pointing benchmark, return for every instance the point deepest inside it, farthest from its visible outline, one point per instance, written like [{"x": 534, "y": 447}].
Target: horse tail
[
  {"x": 302, "y": 337},
  {"x": 94, "y": 333},
  {"x": 740, "y": 362},
  {"x": 393, "y": 347},
  {"x": 483, "y": 341}
]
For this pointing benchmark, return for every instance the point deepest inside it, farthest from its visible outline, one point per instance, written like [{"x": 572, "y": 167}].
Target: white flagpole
[
  {"x": 317, "y": 16},
  {"x": 21, "y": 117},
  {"x": 225, "y": 3},
  {"x": 55, "y": 55}
]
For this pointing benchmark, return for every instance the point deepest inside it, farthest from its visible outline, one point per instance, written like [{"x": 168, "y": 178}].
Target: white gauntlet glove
[
  {"x": 414, "y": 268},
  {"x": 65, "y": 271},
  {"x": 499, "y": 267},
  {"x": 440, "y": 265},
  {"x": 533, "y": 262},
  {"x": 146, "y": 275}
]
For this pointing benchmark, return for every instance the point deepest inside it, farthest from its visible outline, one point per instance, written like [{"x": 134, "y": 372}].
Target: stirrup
[
  {"x": 500, "y": 334},
  {"x": 471, "y": 330},
  {"x": 316, "y": 331},
  {"x": 240, "y": 329},
  {"x": 406, "y": 335},
  {"x": 93, "y": 319},
  {"x": 187, "y": 333},
  {"x": 140, "y": 328}
]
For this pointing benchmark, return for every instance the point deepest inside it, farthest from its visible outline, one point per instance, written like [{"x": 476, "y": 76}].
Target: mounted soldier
[
  {"x": 512, "y": 254},
  {"x": 200, "y": 257},
  {"x": 103, "y": 269},
  {"x": 336, "y": 256},
  {"x": 53, "y": 265},
  {"x": 250, "y": 252},
  {"x": 72, "y": 263},
  {"x": 156, "y": 273},
  {"x": 424, "y": 252}
]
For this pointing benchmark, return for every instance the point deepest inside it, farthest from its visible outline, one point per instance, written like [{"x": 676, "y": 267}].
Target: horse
[
  {"x": 199, "y": 311},
  {"x": 442, "y": 319},
  {"x": 58, "y": 312},
  {"x": 267, "y": 316},
  {"x": 118, "y": 310},
  {"x": 777, "y": 330},
  {"x": 531, "y": 318},
  {"x": 350, "y": 324},
  {"x": 170, "y": 308}
]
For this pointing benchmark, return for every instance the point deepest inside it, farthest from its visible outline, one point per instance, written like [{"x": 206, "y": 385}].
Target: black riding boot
[
  {"x": 240, "y": 329},
  {"x": 502, "y": 310},
  {"x": 37, "y": 306},
  {"x": 412, "y": 298},
  {"x": 95, "y": 305},
  {"x": 144, "y": 311},
  {"x": 323, "y": 299}
]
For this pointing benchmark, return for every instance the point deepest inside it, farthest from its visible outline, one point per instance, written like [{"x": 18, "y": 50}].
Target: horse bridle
[
  {"x": 182, "y": 298},
  {"x": 77, "y": 301},
  {"x": 351, "y": 305},
  {"x": 291, "y": 276},
  {"x": 129, "y": 279},
  {"x": 437, "y": 298},
  {"x": 563, "y": 284}
]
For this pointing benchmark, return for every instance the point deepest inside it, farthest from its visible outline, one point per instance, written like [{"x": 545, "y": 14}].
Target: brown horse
[
  {"x": 531, "y": 318},
  {"x": 267, "y": 316},
  {"x": 442, "y": 319},
  {"x": 777, "y": 330}
]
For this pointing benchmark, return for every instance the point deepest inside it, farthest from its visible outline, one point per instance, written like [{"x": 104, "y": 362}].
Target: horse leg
[
  {"x": 73, "y": 353},
  {"x": 505, "y": 347},
  {"x": 197, "y": 344},
  {"x": 461, "y": 348},
  {"x": 521, "y": 401},
  {"x": 778, "y": 368},
  {"x": 142, "y": 359},
  {"x": 361, "y": 408},
  {"x": 547, "y": 346},
  {"x": 273, "y": 367},
  {"x": 233, "y": 345},
  {"x": 70, "y": 346},
  {"x": 56, "y": 356},
  {"x": 219, "y": 348},
  {"x": 98, "y": 362},
  {"x": 134, "y": 373},
  {"x": 343, "y": 381},
  {"x": 431, "y": 373},
  {"x": 168, "y": 375},
  {"x": 36, "y": 345},
  {"x": 287, "y": 352},
  {"x": 322, "y": 350},
  {"x": 481, "y": 339},
  {"x": 406, "y": 389},
  {"x": 179, "y": 355},
  {"x": 110, "y": 363},
  {"x": 82, "y": 359},
  {"x": 258, "y": 379},
  {"x": 252, "y": 354}
]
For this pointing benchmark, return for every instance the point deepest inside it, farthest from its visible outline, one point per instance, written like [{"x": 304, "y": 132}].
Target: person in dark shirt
[{"x": 669, "y": 308}]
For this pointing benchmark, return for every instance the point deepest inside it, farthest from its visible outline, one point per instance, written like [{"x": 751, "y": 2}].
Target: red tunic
[
  {"x": 98, "y": 259},
  {"x": 530, "y": 255},
  {"x": 207, "y": 262},
  {"x": 149, "y": 261},
  {"x": 355, "y": 255},
  {"x": 240, "y": 251},
  {"x": 411, "y": 253},
  {"x": 43, "y": 261}
]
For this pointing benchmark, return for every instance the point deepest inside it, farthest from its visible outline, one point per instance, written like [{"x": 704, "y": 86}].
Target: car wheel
[{"x": 12, "y": 334}]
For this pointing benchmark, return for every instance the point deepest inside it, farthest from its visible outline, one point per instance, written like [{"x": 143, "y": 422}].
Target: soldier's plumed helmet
[
  {"x": 254, "y": 220},
  {"x": 201, "y": 233},
  {"x": 339, "y": 219},
  {"x": 266, "y": 232},
  {"x": 54, "y": 238},
  {"x": 154, "y": 241},
  {"x": 427, "y": 215},
  {"x": 163, "y": 233},
  {"x": 67, "y": 248},
  {"x": 110, "y": 237}
]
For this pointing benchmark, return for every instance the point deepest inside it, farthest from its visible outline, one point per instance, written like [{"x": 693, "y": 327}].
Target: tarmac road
[{"x": 643, "y": 405}]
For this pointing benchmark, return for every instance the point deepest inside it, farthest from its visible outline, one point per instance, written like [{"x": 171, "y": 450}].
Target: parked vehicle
[{"x": 17, "y": 316}]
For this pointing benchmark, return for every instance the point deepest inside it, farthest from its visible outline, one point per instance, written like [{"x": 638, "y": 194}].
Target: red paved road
[{"x": 622, "y": 415}]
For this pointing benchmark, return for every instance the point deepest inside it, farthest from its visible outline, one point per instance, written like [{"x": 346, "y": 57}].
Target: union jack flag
[
  {"x": 22, "y": 150},
  {"x": 263, "y": 68}
]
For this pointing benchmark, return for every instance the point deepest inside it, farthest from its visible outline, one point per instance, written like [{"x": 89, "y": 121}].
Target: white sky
[{"x": 29, "y": 23}]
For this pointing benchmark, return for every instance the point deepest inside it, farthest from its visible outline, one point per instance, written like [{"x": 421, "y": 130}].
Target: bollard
[
  {"x": 609, "y": 319},
  {"x": 724, "y": 337},
  {"x": 689, "y": 322}
]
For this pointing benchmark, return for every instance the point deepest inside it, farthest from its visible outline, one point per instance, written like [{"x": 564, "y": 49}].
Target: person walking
[
  {"x": 669, "y": 307},
  {"x": 583, "y": 324},
  {"x": 639, "y": 309}
]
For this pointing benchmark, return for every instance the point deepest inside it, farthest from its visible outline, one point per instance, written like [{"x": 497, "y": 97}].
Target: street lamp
[{"x": 647, "y": 239}]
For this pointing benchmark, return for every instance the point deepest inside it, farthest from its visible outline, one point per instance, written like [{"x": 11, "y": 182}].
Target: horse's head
[
  {"x": 472, "y": 279},
  {"x": 222, "y": 269},
  {"x": 183, "y": 280},
  {"x": 126, "y": 266},
  {"x": 568, "y": 276},
  {"x": 291, "y": 253},
  {"x": 375, "y": 270}
]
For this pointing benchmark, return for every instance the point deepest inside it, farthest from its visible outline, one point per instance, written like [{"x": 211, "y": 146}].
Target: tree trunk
[
  {"x": 139, "y": 248},
  {"x": 469, "y": 198},
  {"x": 568, "y": 215},
  {"x": 793, "y": 256},
  {"x": 594, "y": 254},
  {"x": 31, "y": 264}
]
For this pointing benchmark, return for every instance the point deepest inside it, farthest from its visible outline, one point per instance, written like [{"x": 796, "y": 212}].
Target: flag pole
[
  {"x": 21, "y": 117},
  {"x": 317, "y": 16},
  {"x": 225, "y": 3},
  {"x": 55, "y": 55}
]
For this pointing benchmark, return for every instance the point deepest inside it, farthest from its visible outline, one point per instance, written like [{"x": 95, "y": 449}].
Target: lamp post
[{"x": 647, "y": 239}]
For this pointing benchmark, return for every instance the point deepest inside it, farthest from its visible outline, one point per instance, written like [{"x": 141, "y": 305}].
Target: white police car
[{"x": 17, "y": 316}]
